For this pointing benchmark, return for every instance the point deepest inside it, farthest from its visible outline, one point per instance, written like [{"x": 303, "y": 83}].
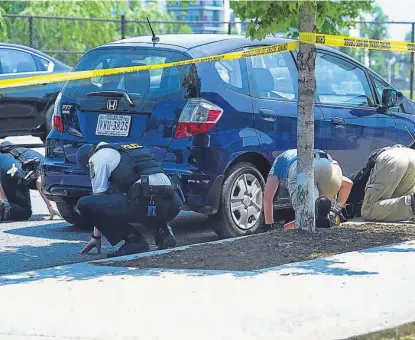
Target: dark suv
[
  {"x": 217, "y": 125},
  {"x": 27, "y": 110}
]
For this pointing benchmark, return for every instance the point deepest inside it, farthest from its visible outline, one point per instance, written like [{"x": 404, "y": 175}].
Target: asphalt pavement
[{"x": 42, "y": 243}]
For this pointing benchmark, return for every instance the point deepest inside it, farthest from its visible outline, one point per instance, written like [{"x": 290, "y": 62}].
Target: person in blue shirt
[
  {"x": 330, "y": 186},
  {"x": 19, "y": 173}
]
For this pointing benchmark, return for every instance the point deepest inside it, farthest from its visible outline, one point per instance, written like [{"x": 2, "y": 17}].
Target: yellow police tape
[
  {"x": 60, "y": 77},
  {"x": 343, "y": 41},
  {"x": 309, "y": 38}
]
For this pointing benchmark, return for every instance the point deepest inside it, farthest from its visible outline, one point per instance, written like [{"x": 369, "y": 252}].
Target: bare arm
[
  {"x": 52, "y": 210},
  {"x": 2, "y": 194},
  {"x": 39, "y": 188},
  {"x": 271, "y": 187},
  {"x": 344, "y": 191}
]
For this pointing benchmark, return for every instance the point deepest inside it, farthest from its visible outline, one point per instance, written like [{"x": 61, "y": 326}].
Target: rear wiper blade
[{"x": 112, "y": 94}]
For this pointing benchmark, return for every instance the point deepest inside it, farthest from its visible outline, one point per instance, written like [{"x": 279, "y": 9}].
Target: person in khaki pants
[
  {"x": 329, "y": 183},
  {"x": 389, "y": 191}
]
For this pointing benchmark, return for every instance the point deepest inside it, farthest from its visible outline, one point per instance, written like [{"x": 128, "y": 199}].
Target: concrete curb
[{"x": 166, "y": 251}]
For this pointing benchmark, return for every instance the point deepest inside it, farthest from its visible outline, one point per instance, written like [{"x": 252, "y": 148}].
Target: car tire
[
  {"x": 48, "y": 124},
  {"x": 240, "y": 214},
  {"x": 48, "y": 120},
  {"x": 68, "y": 213}
]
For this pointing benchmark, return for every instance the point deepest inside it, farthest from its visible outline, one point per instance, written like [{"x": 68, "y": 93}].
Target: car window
[
  {"x": 155, "y": 83},
  {"x": 380, "y": 85},
  {"x": 341, "y": 82},
  {"x": 233, "y": 74},
  {"x": 14, "y": 61},
  {"x": 43, "y": 65},
  {"x": 274, "y": 76}
]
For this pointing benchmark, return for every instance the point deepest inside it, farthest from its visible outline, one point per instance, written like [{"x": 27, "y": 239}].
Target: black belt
[{"x": 137, "y": 191}]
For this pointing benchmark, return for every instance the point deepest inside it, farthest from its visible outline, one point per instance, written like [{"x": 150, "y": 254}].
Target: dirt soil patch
[
  {"x": 277, "y": 247},
  {"x": 403, "y": 332}
]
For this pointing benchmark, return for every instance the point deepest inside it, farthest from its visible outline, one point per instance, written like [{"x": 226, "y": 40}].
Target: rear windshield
[{"x": 150, "y": 84}]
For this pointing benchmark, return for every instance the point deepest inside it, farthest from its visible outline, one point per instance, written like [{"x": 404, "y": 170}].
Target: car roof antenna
[{"x": 154, "y": 39}]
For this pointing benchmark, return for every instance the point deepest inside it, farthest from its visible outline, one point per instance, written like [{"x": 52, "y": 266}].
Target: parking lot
[{"x": 41, "y": 243}]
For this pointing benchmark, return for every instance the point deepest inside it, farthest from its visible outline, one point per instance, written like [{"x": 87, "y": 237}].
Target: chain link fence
[{"x": 68, "y": 38}]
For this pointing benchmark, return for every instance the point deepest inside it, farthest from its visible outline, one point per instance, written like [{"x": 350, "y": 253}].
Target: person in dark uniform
[
  {"x": 129, "y": 186},
  {"x": 19, "y": 173}
]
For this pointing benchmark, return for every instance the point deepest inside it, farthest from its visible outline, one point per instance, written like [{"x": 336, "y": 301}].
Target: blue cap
[
  {"x": 82, "y": 155},
  {"x": 6, "y": 143}
]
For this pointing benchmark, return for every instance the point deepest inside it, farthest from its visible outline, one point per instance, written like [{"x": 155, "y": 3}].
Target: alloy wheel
[{"x": 246, "y": 201}]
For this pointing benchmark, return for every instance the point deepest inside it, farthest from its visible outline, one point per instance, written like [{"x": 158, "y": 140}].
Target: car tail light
[
  {"x": 198, "y": 116},
  {"x": 57, "y": 122}
]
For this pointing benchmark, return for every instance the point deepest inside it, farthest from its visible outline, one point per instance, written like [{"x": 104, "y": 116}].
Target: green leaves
[
  {"x": 271, "y": 17},
  {"x": 73, "y": 35},
  {"x": 3, "y": 26}
]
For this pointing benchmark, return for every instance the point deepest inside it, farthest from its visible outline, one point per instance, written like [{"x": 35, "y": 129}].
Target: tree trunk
[{"x": 305, "y": 215}]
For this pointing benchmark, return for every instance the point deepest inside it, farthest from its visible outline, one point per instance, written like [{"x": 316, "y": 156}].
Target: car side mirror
[{"x": 391, "y": 98}]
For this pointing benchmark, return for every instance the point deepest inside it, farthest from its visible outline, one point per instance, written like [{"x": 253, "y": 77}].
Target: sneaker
[
  {"x": 164, "y": 238},
  {"x": 134, "y": 244}
]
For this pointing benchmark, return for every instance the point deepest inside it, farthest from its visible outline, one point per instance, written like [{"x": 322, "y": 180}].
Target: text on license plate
[{"x": 113, "y": 125}]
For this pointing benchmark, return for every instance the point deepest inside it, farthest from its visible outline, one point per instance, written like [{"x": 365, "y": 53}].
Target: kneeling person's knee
[{"x": 84, "y": 204}]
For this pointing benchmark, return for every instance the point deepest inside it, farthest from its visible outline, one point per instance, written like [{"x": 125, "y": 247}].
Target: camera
[{"x": 31, "y": 170}]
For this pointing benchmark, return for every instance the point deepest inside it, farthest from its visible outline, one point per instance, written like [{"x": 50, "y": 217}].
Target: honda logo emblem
[{"x": 112, "y": 105}]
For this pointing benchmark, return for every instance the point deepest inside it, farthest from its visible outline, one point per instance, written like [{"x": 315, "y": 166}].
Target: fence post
[
  {"x": 123, "y": 26},
  {"x": 412, "y": 63},
  {"x": 31, "y": 31},
  {"x": 229, "y": 28}
]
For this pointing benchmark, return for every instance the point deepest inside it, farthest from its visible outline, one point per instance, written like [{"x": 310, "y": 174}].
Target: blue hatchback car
[{"x": 217, "y": 125}]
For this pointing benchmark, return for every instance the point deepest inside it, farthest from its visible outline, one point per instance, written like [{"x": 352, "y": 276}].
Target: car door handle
[
  {"x": 268, "y": 115},
  {"x": 338, "y": 121}
]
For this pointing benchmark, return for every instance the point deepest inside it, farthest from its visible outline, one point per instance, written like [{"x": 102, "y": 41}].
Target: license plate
[{"x": 113, "y": 125}]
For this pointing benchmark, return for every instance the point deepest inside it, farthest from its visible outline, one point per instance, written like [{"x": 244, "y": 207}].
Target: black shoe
[
  {"x": 322, "y": 210},
  {"x": 134, "y": 244},
  {"x": 4, "y": 210},
  {"x": 164, "y": 238}
]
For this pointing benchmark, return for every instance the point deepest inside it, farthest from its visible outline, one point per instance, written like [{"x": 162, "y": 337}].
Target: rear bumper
[{"x": 60, "y": 183}]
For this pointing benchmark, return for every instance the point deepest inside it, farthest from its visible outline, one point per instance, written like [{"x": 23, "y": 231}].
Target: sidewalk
[{"x": 329, "y": 298}]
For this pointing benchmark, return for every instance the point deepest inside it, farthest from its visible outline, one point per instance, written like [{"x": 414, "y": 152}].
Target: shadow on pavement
[
  {"x": 388, "y": 250},
  {"x": 320, "y": 267},
  {"x": 85, "y": 271},
  {"x": 58, "y": 229},
  {"x": 51, "y": 230},
  {"x": 46, "y": 243},
  {"x": 26, "y": 257}
]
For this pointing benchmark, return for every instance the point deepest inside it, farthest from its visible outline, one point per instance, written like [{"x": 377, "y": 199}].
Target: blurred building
[{"x": 205, "y": 11}]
